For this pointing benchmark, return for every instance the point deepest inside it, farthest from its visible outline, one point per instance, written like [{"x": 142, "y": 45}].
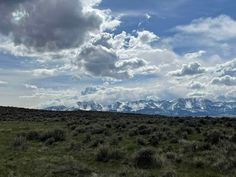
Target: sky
[{"x": 58, "y": 52}]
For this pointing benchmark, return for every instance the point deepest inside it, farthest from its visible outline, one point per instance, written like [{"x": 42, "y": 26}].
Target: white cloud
[
  {"x": 44, "y": 72},
  {"x": 218, "y": 28},
  {"x": 100, "y": 61},
  {"x": 143, "y": 38},
  {"x": 196, "y": 86},
  {"x": 225, "y": 80},
  {"x": 29, "y": 86},
  {"x": 3, "y": 83},
  {"x": 194, "y": 55},
  {"x": 214, "y": 35},
  {"x": 228, "y": 68},
  {"x": 188, "y": 70}
]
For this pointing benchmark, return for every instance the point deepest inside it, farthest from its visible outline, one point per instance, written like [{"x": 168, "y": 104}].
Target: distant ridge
[{"x": 179, "y": 107}]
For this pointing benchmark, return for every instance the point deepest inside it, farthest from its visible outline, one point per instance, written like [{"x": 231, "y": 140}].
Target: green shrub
[
  {"x": 170, "y": 173},
  {"x": 32, "y": 135},
  {"x": 146, "y": 159},
  {"x": 75, "y": 146},
  {"x": 97, "y": 142},
  {"x": 171, "y": 156},
  {"x": 105, "y": 154},
  {"x": 199, "y": 162},
  {"x": 141, "y": 141},
  {"x": 50, "y": 141},
  {"x": 20, "y": 143},
  {"x": 214, "y": 137},
  {"x": 58, "y": 135},
  {"x": 154, "y": 140},
  {"x": 71, "y": 168},
  {"x": 116, "y": 154}
]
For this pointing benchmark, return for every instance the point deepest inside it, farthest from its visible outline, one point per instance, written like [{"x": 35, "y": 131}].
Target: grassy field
[{"x": 63, "y": 144}]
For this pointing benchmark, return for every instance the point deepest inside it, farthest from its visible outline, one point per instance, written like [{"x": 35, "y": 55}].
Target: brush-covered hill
[{"x": 101, "y": 144}]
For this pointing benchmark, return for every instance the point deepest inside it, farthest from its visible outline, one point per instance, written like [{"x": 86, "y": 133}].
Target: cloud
[
  {"x": 44, "y": 72},
  {"x": 89, "y": 90},
  {"x": 142, "y": 38},
  {"x": 194, "y": 55},
  {"x": 189, "y": 70},
  {"x": 100, "y": 61},
  {"x": 111, "y": 60},
  {"x": 228, "y": 68},
  {"x": 228, "y": 96},
  {"x": 196, "y": 86},
  {"x": 214, "y": 35},
  {"x": 225, "y": 80},
  {"x": 48, "y": 25},
  {"x": 3, "y": 83},
  {"x": 29, "y": 86},
  {"x": 131, "y": 63},
  {"x": 218, "y": 28}
]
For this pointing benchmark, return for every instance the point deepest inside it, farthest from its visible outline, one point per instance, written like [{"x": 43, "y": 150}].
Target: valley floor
[{"x": 63, "y": 144}]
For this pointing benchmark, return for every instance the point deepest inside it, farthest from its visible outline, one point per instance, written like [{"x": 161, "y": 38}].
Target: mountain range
[{"x": 178, "y": 107}]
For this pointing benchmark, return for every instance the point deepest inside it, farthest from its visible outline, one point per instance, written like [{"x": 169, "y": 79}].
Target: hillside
[{"x": 101, "y": 144}]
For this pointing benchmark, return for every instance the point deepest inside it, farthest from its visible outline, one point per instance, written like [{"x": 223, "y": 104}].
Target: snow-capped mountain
[{"x": 178, "y": 107}]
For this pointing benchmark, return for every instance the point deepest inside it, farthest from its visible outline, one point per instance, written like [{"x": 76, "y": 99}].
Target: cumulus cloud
[
  {"x": 218, "y": 28},
  {"x": 228, "y": 68},
  {"x": 30, "y": 26},
  {"x": 196, "y": 86},
  {"x": 131, "y": 63},
  {"x": 142, "y": 38},
  {"x": 89, "y": 90},
  {"x": 215, "y": 35},
  {"x": 47, "y": 24},
  {"x": 225, "y": 80},
  {"x": 100, "y": 61},
  {"x": 189, "y": 70},
  {"x": 57, "y": 29},
  {"x": 194, "y": 55}
]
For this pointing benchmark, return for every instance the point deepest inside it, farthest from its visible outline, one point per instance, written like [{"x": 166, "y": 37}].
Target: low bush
[
  {"x": 50, "y": 141},
  {"x": 154, "y": 140},
  {"x": 141, "y": 141},
  {"x": 97, "y": 130},
  {"x": 58, "y": 135},
  {"x": 199, "y": 162},
  {"x": 20, "y": 143},
  {"x": 146, "y": 159},
  {"x": 214, "y": 137},
  {"x": 75, "y": 146},
  {"x": 102, "y": 154},
  {"x": 33, "y": 135},
  {"x": 71, "y": 168},
  {"x": 105, "y": 154},
  {"x": 97, "y": 142},
  {"x": 233, "y": 138},
  {"x": 87, "y": 138},
  {"x": 171, "y": 156},
  {"x": 170, "y": 173}
]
